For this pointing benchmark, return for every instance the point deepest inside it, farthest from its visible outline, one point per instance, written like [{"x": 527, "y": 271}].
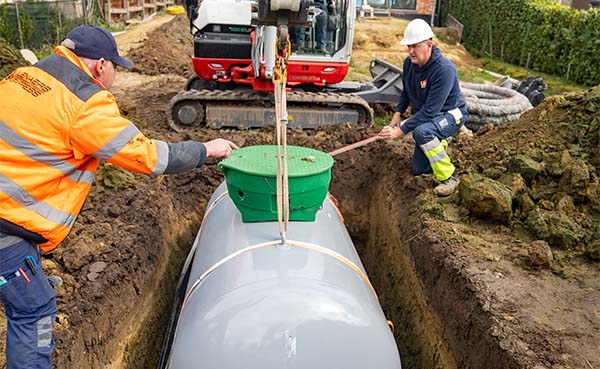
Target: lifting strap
[
  {"x": 290, "y": 243},
  {"x": 281, "y": 114}
]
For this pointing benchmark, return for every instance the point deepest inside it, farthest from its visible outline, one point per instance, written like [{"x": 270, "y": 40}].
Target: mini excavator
[{"x": 234, "y": 46}]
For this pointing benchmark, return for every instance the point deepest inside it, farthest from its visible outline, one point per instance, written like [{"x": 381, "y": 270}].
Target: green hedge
[
  {"x": 537, "y": 34},
  {"x": 41, "y": 23}
]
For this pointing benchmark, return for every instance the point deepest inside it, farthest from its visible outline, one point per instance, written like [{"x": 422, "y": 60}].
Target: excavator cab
[
  {"x": 325, "y": 34},
  {"x": 232, "y": 42}
]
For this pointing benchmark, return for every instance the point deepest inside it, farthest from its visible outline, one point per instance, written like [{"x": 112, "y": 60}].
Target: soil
[
  {"x": 463, "y": 286},
  {"x": 379, "y": 38}
]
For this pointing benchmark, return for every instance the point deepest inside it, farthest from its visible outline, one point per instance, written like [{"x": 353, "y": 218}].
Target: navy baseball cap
[{"x": 94, "y": 42}]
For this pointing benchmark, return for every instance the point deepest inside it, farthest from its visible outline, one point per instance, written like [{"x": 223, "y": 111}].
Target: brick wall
[{"x": 425, "y": 6}]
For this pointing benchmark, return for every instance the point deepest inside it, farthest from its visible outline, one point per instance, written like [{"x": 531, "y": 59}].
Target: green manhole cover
[
  {"x": 262, "y": 161},
  {"x": 250, "y": 175}
]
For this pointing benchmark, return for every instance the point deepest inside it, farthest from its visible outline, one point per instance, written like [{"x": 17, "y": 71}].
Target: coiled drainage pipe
[{"x": 493, "y": 104}]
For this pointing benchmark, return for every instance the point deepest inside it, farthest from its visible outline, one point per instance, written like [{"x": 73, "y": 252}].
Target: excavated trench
[
  {"x": 141, "y": 229},
  {"x": 448, "y": 292},
  {"x": 376, "y": 203}
]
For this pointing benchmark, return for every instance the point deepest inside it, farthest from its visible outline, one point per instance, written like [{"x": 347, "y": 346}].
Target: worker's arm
[
  {"x": 100, "y": 131},
  {"x": 400, "y": 108},
  {"x": 395, "y": 122},
  {"x": 187, "y": 155},
  {"x": 440, "y": 86},
  {"x": 403, "y": 102},
  {"x": 219, "y": 148}
]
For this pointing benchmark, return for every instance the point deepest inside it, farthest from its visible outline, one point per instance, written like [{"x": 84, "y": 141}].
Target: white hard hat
[{"x": 417, "y": 30}]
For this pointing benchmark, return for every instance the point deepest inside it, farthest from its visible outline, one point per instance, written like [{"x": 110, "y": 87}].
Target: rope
[{"x": 355, "y": 145}]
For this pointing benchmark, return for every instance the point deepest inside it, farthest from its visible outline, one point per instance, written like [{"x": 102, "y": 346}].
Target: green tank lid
[
  {"x": 250, "y": 173},
  {"x": 262, "y": 161}
]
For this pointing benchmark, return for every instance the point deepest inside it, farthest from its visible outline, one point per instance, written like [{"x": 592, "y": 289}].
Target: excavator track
[{"x": 246, "y": 109}]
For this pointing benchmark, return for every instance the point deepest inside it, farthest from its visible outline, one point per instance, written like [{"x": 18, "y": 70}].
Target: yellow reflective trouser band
[{"x": 438, "y": 158}]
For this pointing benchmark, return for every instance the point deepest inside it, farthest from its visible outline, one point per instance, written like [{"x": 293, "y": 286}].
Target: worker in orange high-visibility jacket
[{"x": 57, "y": 121}]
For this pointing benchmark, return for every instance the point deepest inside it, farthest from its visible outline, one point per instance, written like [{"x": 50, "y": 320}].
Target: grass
[
  {"x": 556, "y": 85},
  {"x": 359, "y": 70},
  {"x": 104, "y": 24},
  {"x": 44, "y": 51},
  {"x": 47, "y": 50},
  {"x": 383, "y": 120},
  {"x": 476, "y": 76}
]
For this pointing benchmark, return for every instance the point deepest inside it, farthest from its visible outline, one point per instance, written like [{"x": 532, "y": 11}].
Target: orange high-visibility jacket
[{"x": 56, "y": 123}]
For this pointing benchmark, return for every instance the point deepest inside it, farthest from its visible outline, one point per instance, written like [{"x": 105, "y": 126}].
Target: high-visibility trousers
[{"x": 430, "y": 155}]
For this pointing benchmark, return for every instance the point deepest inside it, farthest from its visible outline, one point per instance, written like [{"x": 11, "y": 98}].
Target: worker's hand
[
  {"x": 219, "y": 148},
  {"x": 389, "y": 132},
  {"x": 395, "y": 122}
]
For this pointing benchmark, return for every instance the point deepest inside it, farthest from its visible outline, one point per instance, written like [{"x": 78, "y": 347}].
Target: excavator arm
[{"x": 283, "y": 14}]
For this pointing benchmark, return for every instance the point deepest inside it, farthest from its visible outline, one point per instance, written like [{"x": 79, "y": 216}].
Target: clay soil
[{"x": 461, "y": 287}]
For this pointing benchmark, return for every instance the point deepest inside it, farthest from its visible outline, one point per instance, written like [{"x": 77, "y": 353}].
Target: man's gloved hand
[{"x": 219, "y": 149}]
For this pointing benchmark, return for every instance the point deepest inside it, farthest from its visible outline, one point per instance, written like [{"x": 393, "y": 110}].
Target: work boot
[
  {"x": 55, "y": 281},
  {"x": 448, "y": 186}
]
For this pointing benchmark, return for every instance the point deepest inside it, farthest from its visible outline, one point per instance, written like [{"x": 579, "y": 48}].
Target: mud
[
  {"x": 460, "y": 289},
  {"x": 174, "y": 41}
]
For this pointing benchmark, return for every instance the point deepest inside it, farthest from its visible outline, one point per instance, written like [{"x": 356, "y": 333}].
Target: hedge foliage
[
  {"x": 41, "y": 23},
  {"x": 536, "y": 34}
]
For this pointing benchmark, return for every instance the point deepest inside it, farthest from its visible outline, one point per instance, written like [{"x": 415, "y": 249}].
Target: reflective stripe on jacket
[{"x": 56, "y": 123}]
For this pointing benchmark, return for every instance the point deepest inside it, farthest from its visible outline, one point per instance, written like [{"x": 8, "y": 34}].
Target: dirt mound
[
  {"x": 522, "y": 236},
  {"x": 168, "y": 50},
  {"x": 548, "y": 161},
  {"x": 10, "y": 58}
]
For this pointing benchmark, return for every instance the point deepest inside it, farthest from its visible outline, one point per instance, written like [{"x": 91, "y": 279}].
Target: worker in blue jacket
[{"x": 438, "y": 107}]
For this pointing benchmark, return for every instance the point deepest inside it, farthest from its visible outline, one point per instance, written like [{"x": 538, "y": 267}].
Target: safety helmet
[{"x": 417, "y": 30}]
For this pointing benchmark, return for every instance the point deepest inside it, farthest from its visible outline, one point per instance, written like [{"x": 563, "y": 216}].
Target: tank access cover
[{"x": 250, "y": 175}]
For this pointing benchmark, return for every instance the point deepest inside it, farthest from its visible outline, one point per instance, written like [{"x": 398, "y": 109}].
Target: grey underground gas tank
[{"x": 257, "y": 305}]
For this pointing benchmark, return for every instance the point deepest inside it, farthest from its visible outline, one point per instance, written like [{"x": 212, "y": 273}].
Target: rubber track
[{"x": 294, "y": 98}]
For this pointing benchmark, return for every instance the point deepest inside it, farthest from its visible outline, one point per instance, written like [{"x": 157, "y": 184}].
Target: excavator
[{"x": 235, "y": 42}]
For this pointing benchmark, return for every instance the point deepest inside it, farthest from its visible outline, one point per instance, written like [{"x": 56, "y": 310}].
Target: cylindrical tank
[{"x": 252, "y": 303}]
